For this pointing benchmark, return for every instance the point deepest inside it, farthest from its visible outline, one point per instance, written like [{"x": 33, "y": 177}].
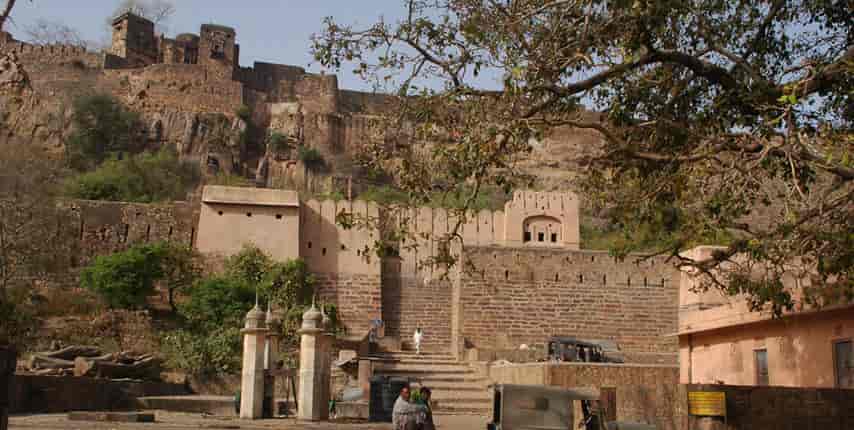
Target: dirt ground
[{"x": 183, "y": 421}]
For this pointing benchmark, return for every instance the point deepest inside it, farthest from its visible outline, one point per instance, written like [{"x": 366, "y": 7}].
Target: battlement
[{"x": 50, "y": 54}]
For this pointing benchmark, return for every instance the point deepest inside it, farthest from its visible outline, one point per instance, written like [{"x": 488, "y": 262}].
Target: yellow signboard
[{"x": 707, "y": 403}]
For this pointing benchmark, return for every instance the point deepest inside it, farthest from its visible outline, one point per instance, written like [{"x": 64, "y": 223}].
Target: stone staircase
[{"x": 457, "y": 388}]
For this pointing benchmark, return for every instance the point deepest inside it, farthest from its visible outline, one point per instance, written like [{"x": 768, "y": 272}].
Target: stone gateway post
[
  {"x": 313, "y": 368},
  {"x": 252, "y": 376}
]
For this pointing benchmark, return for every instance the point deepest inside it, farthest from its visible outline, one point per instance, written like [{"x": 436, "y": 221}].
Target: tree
[
  {"x": 45, "y": 32},
  {"x": 712, "y": 111},
  {"x": 125, "y": 279},
  {"x": 35, "y": 241},
  {"x": 6, "y": 12},
  {"x": 145, "y": 178},
  {"x": 102, "y": 127}
]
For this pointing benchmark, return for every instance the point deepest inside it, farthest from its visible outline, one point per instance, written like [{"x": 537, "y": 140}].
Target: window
[
  {"x": 527, "y": 236},
  {"x": 541, "y": 237},
  {"x": 761, "y": 359},
  {"x": 843, "y": 360},
  {"x": 554, "y": 237}
]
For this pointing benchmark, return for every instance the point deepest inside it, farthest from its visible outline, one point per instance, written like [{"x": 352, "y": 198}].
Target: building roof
[{"x": 249, "y": 196}]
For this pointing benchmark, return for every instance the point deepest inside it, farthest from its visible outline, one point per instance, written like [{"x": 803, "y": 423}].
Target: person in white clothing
[{"x": 416, "y": 339}]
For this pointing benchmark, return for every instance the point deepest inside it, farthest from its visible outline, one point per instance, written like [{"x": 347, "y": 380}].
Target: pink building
[{"x": 722, "y": 341}]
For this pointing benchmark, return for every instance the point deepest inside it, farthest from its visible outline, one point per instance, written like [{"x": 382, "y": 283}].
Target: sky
[{"x": 274, "y": 31}]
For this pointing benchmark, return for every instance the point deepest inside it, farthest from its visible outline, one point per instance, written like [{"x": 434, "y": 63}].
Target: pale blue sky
[{"x": 275, "y": 31}]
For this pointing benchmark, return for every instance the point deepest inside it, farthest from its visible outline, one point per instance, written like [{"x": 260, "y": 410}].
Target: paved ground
[{"x": 182, "y": 421}]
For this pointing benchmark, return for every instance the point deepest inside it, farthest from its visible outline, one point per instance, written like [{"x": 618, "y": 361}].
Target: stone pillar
[
  {"x": 313, "y": 395},
  {"x": 252, "y": 376},
  {"x": 366, "y": 372},
  {"x": 271, "y": 368}
]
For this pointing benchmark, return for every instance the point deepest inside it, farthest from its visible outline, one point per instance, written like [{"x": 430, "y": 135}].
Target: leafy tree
[
  {"x": 35, "y": 242},
  {"x": 125, "y": 279},
  {"x": 182, "y": 267},
  {"x": 145, "y": 178},
  {"x": 311, "y": 157},
  {"x": 230, "y": 180},
  {"x": 711, "y": 111},
  {"x": 216, "y": 302},
  {"x": 102, "y": 126},
  {"x": 216, "y": 306},
  {"x": 249, "y": 266}
]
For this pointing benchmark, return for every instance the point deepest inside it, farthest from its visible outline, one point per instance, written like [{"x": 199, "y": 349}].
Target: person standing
[
  {"x": 416, "y": 339},
  {"x": 404, "y": 415},
  {"x": 426, "y": 417}
]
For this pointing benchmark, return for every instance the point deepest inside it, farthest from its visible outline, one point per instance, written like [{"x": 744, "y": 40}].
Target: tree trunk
[
  {"x": 148, "y": 368},
  {"x": 41, "y": 362},
  {"x": 72, "y": 352}
]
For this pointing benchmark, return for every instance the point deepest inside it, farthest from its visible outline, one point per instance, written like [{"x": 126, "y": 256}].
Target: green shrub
[
  {"x": 125, "y": 279},
  {"x": 230, "y": 180},
  {"x": 384, "y": 194},
  {"x": 249, "y": 266},
  {"x": 244, "y": 113},
  {"x": 102, "y": 126},
  {"x": 144, "y": 178},
  {"x": 278, "y": 142},
  {"x": 217, "y": 302},
  {"x": 218, "y": 351},
  {"x": 210, "y": 339},
  {"x": 310, "y": 157}
]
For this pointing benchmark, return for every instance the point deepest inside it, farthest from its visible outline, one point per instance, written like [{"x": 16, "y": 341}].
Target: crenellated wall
[
  {"x": 52, "y": 54},
  {"x": 510, "y": 296}
]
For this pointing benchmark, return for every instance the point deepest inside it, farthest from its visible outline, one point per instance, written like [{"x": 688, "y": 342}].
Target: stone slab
[
  {"x": 121, "y": 417},
  {"x": 358, "y": 410}
]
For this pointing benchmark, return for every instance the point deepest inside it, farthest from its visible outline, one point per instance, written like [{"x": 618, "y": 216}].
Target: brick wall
[
  {"x": 510, "y": 296},
  {"x": 409, "y": 303},
  {"x": 357, "y": 297}
]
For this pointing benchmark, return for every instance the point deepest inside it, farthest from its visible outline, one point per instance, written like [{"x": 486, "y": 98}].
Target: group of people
[{"x": 413, "y": 415}]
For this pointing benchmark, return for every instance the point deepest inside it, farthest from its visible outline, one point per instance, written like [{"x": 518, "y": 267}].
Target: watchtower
[
  {"x": 218, "y": 47},
  {"x": 133, "y": 40}
]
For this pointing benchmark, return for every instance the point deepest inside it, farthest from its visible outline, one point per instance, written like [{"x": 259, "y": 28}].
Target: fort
[
  {"x": 521, "y": 279},
  {"x": 194, "y": 96}
]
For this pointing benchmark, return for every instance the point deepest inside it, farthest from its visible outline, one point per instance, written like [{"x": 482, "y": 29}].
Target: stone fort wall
[
  {"x": 50, "y": 54},
  {"x": 511, "y": 296}
]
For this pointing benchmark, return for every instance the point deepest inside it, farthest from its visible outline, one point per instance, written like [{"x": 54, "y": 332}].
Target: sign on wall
[{"x": 707, "y": 403}]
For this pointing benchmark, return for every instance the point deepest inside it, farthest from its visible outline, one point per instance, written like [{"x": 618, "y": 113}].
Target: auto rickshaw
[{"x": 538, "y": 407}]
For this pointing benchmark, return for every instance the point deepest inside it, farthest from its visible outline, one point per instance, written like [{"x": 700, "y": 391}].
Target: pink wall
[{"x": 799, "y": 350}]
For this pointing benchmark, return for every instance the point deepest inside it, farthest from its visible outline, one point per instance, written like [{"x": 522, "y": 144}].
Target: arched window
[{"x": 541, "y": 230}]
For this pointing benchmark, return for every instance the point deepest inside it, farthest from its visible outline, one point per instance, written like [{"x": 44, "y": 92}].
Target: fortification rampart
[
  {"x": 53, "y": 54},
  {"x": 185, "y": 87},
  {"x": 105, "y": 227},
  {"x": 515, "y": 295}
]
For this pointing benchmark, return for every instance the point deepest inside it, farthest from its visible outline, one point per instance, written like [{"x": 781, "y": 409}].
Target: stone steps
[
  {"x": 416, "y": 367},
  {"x": 457, "y": 388}
]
